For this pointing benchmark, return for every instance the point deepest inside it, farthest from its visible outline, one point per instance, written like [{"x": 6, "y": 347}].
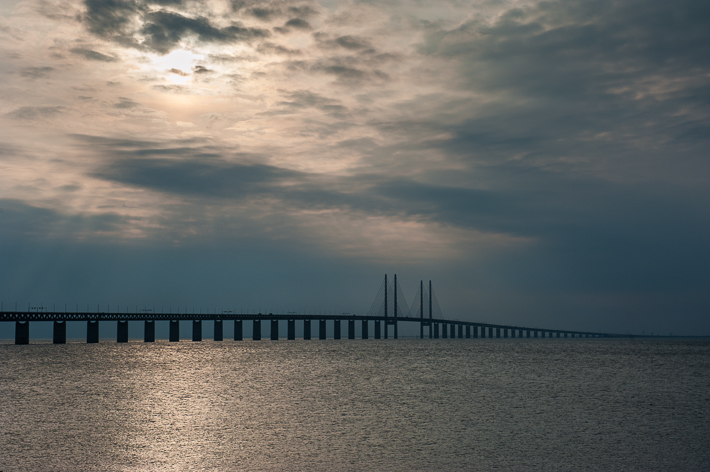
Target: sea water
[{"x": 353, "y": 405}]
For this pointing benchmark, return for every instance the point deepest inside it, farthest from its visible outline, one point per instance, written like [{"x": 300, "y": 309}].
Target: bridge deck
[{"x": 146, "y": 316}]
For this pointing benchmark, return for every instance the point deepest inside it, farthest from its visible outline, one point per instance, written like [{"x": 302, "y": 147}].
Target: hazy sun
[{"x": 177, "y": 65}]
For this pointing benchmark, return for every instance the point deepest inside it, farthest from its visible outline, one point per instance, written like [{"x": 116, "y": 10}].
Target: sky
[{"x": 544, "y": 164}]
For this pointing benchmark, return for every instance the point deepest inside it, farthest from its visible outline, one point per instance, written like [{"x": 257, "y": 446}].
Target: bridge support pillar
[
  {"x": 396, "y": 326},
  {"x": 558, "y": 334},
  {"x": 460, "y": 331},
  {"x": 321, "y": 329},
  {"x": 122, "y": 331},
  {"x": 475, "y": 331},
  {"x": 238, "y": 330},
  {"x": 92, "y": 332},
  {"x": 256, "y": 331},
  {"x": 174, "y": 331},
  {"x": 468, "y": 332},
  {"x": 274, "y": 330},
  {"x": 59, "y": 335},
  {"x": 535, "y": 333},
  {"x": 307, "y": 329},
  {"x": 351, "y": 329},
  {"x": 22, "y": 332},
  {"x": 444, "y": 331},
  {"x": 365, "y": 325},
  {"x": 565, "y": 335},
  {"x": 197, "y": 330},
  {"x": 336, "y": 329},
  {"x": 149, "y": 331},
  {"x": 453, "y": 331},
  {"x": 291, "y": 330},
  {"x": 436, "y": 330},
  {"x": 377, "y": 330},
  {"x": 505, "y": 332},
  {"x": 218, "y": 330}
]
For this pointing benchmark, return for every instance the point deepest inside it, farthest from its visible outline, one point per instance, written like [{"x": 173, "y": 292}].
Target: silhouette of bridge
[{"x": 389, "y": 309}]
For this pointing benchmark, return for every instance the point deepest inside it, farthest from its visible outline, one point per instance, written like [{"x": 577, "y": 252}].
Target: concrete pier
[
  {"x": 351, "y": 329},
  {"x": 291, "y": 330},
  {"x": 238, "y": 330},
  {"x": 92, "y": 332},
  {"x": 307, "y": 329},
  {"x": 122, "y": 331},
  {"x": 59, "y": 334},
  {"x": 505, "y": 333},
  {"x": 321, "y": 329},
  {"x": 468, "y": 332},
  {"x": 196, "y": 330},
  {"x": 274, "y": 330},
  {"x": 453, "y": 331},
  {"x": 436, "y": 330},
  {"x": 336, "y": 329},
  {"x": 475, "y": 331},
  {"x": 218, "y": 330},
  {"x": 256, "y": 331},
  {"x": 174, "y": 331},
  {"x": 378, "y": 333},
  {"x": 444, "y": 331},
  {"x": 149, "y": 331},
  {"x": 365, "y": 333},
  {"x": 22, "y": 332}
]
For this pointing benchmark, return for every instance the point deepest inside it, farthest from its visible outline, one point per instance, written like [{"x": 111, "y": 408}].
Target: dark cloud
[
  {"x": 302, "y": 11},
  {"x": 112, "y": 19},
  {"x": 295, "y": 23},
  {"x": 125, "y": 103},
  {"x": 575, "y": 68},
  {"x": 201, "y": 70},
  {"x": 268, "y": 10},
  {"x": 163, "y": 30},
  {"x": 308, "y": 99},
  {"x": 352, "y": 43},
  {"x": 178, "y": 72},
  {"x": 347, "y": 74},
  {"x": 171, "y": 88},
  {"x": 92, "y": 55},
  {"x": 36, "y": 72},
  {"x": 35, "y": 113},
  {"x": 216, "y": 179},
  {"x": 263, "y": 13},
  {"x": 134, "y": 24},
  {"x": 271, "y": 48}
]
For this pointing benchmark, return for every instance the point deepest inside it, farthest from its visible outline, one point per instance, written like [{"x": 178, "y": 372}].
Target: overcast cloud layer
[{"x": 544, "y": 163}]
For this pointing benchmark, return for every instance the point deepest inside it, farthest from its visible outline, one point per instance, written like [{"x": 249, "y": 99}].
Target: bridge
[{"x": 388, "y": 310}]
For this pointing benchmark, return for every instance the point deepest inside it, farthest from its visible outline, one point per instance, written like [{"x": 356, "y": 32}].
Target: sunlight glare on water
[{"x": 357, "y": 405}]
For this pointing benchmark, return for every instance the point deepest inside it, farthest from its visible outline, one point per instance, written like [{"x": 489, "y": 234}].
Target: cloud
[
  {"x": 92, "y": 55},
  {"x": 201, "y": 70},
  {"x": 294, "y": 23},
  {"x": 36, "y": 72},
  {"x": 133, "y": 24},
  {"x": 125, "y": 103},
  {"x": 35, "y": 113}
]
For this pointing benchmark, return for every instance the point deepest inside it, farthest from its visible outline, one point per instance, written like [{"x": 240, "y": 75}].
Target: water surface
[{"x": 494, "y": 404}]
